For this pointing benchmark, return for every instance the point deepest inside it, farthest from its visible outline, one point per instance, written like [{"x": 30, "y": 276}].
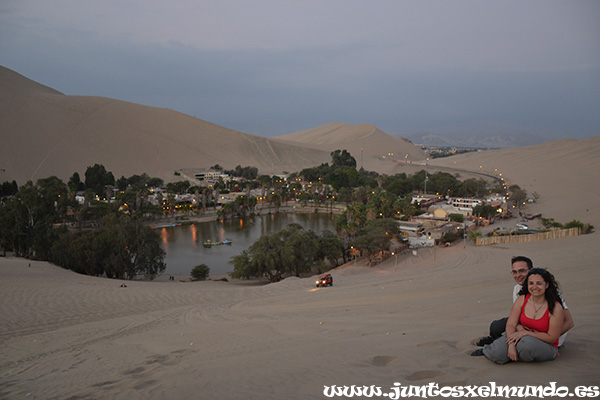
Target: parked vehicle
[{"x": 324, "y": 280}]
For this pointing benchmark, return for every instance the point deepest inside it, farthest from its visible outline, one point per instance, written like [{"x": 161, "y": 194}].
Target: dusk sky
[{"x": 269, "y": 67}]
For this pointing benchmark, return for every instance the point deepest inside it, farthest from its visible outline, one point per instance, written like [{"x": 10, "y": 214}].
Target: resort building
[
  {"x": 465, "y": 204},
  {"x": 425, "y": 200},
  {"x": 210, "y": 176}
]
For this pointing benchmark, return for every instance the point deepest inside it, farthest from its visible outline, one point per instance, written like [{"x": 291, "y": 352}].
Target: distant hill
[
  {"x": 370, "y": 146},
  {"x": 44, "y": 132},
  {"x": 557, "y": 171},
  {"x": 478, "y": 140}
]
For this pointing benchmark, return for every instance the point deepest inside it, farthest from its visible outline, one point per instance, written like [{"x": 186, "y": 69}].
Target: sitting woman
[{"x": 534, "y": 324}]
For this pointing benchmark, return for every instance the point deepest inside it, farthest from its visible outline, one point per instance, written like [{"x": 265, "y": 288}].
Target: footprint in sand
[
  {"x": 420, "y": 375},
  {"x": 438, "y": 344},
  {"x": 384, "y": 361},
  {"x": 133, "y": 371}
]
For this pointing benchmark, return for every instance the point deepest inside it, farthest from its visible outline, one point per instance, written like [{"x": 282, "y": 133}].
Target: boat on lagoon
[
  {"x": 165, "y": 226},
  {"x": 210, "y": 243}
]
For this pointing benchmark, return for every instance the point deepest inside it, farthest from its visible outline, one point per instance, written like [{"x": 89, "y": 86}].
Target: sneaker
[
  {"x": 477, "y": 353},
  {"x": 482, "y": 341}
]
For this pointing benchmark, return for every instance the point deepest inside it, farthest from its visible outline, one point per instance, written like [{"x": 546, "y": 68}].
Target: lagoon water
[{"x": 185, "y": 249}]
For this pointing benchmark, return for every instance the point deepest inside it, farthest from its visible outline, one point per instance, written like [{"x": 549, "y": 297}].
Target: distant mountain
[
  {"x": 482, "y": 141},
  {"x": 555, "y": 172},
  {"x": 44, "y": 132},
  {"x": 370, "y": 146}
]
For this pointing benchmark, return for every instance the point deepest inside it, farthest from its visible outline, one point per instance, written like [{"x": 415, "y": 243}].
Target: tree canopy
[
  {"x": 122, "y": 248},
  {"x": 27, "y": 217},
  {"x": 376, "y": 236},
  {"x": 290, "y": 251},
  {"x": 97, "y": 178},
  {"x": 341, "y": 158}
]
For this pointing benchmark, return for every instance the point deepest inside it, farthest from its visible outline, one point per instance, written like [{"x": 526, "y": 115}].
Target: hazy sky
[{"x": 269, "y": 67}]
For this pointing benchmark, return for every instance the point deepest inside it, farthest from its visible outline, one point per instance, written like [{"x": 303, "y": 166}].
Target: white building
[
  {"x": 210, "y": 176},
  {"x": 465, "y": 204}
]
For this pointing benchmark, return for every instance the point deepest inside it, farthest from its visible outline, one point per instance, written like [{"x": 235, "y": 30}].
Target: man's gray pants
[{"x": 529, "y": 349}]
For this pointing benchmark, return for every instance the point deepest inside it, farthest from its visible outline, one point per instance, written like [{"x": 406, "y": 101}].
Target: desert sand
[
  {"x": 412, "y": 320},
  {"x": 70, "y": 336},
  {"x": 45, "y": 132}
]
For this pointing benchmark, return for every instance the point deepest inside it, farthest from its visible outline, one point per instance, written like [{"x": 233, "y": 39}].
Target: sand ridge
[{"x": 45, "y": 132}]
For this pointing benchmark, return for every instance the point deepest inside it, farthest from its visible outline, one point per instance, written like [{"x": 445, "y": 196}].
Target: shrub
[
  {"x": 457, "y": 217},
  {"x": 574, "y": 224},
  {"x": 584, "y": 228},
  {"x": 200, "y": 272},
  {"x": 450, "y": 237},
  {"x": 474, "y": 235}
]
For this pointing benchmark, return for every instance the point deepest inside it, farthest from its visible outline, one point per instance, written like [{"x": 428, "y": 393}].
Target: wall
[{"x": 534, "y": 237}]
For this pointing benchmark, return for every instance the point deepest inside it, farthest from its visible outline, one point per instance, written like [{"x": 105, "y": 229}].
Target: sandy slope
[
  {"x": 371, "y": 147},
  {"x": 563, "y": 173},
  {"x": 69, "y": 335},
  {"x": 46, "y": 133},
  {"x": 411, "y": 322},
  {"x": 64, "y": 335}
]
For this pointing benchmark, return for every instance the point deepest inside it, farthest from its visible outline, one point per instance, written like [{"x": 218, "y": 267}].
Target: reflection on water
[{"x": 184, "y": 244}]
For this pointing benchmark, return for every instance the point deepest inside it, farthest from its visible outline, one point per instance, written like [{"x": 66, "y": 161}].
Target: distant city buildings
[{"x": 429, "y": 228}]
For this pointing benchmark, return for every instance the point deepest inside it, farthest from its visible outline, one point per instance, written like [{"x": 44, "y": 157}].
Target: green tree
[
  {"x": 266, "y": 258},
  {"x": 178, "y": 187},
  {"x": 243, "y": 267},
  {"x": 200, "y": 272},
  {"x": 122, "y": 183},
  {"x": 400, "y": 187},
  {"x": 343, "y": 176},
  {"x": 26, "y": 218},
  {"x": 8, "y": 189},
  {"x": 330, "y": 247},
  {"x": 376, "y": 236},
  {"x": 485, "y": 211},
  {"x": 135, "y": 248},
  {"x": 97, "y": 178},
  {"x": 457, "y": 217},
  {"x": 121, "y": 248},
  {"x": 299, "y": 249},
  {"x": 289, "y": 251},
  {"x": 471, "y": 188},
  {"x": 155, "y": 182},
  {"x": 341, "y": 158},
  {"x": 518, "y": 195},
  {"x": 75, "y": 184},
  {"x": 82, "y": 252},
  {"x": 442, "y": 183}
]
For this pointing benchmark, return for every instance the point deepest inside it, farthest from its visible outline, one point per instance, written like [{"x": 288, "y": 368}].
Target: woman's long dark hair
[{"x": 551, "y": 293}]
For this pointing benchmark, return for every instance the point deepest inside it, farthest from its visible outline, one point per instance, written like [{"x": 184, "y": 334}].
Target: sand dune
[
  {"x": 563, "y": 173},
  {"x": 47, "y": 133},
  {"x": 411, "y": 321},
  {"x": 370, "y": 146},
  {"x": 65, "y": 335}
]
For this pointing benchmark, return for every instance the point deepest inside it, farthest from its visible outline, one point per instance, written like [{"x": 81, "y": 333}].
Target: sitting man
[{"x": 520, "y": 267}]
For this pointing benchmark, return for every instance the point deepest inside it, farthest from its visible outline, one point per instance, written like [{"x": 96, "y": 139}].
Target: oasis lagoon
[{"x": 184, "y": 245}]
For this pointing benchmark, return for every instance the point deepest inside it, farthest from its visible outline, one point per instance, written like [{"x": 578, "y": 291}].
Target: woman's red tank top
[{"x": 540, "y": 325}]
